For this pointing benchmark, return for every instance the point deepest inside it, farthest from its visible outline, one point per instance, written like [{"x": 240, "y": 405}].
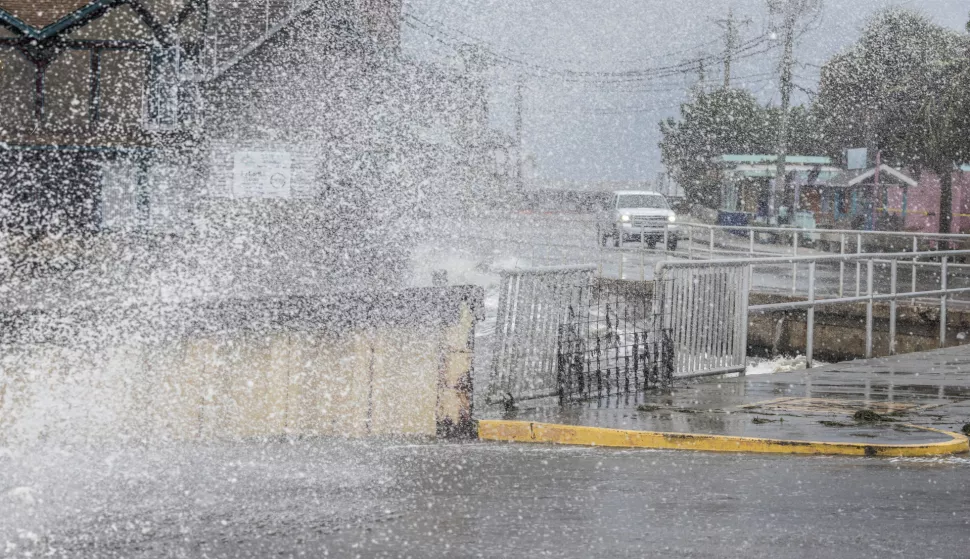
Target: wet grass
[
  {"x": 763, "y": 420},
  {"x": 966, "y": 429},
  {"x": 649, "y": 408},
  {"x": 861, "y": 417},
  {"x": 869, "y": 416},
  {"x": 653, "y": 408}
]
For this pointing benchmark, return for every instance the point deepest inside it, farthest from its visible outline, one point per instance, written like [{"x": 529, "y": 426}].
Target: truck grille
[{"x": 652, "y": 222}]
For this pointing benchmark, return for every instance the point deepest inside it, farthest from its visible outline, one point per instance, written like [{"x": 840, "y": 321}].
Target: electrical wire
[{"x": 446, "y": 37}]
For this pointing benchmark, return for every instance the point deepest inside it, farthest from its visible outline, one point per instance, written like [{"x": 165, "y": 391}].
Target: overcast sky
[{"x": 584, "y": 129}]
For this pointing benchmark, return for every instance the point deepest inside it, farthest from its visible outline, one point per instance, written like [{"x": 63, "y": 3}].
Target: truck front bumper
[{"x": 650, "y": 234}]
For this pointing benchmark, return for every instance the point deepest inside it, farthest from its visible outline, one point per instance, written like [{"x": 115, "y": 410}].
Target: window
[{"x": 163, "y": 88}]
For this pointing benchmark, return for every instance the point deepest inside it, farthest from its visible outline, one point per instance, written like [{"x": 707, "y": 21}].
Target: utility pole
[
  {"x": 787, "y": 61},
  {"x": 730, "y": 26},
  {"x": 519, "y": 159},
  {"x": 729, "y": 32}
]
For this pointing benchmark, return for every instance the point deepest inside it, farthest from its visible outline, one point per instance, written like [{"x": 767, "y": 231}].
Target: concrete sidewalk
[{"x": 916, "y": 399}]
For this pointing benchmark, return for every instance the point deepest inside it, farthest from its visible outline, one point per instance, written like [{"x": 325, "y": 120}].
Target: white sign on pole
[
  {"x": 261, "y": 174},
  {"x": 856, "y": 159}
]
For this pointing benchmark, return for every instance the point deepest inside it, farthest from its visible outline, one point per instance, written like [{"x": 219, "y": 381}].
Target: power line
[
  {"x": 441, "y": 24},
  {"x": 636, "y": 109},
  {"x": 445, "y": 36}
]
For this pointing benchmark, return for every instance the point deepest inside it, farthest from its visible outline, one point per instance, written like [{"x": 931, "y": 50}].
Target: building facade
[
  {"x": 90, "y": 91},
  {"x": 104, "y": 102}
]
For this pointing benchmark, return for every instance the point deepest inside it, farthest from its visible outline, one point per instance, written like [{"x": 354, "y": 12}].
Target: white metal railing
[
  {"x": 578, "y": 238},
  {"x": 706, "y": 355},
  {"x": 848, "y": 242},
  {"x": 527, "y": 330},
  {"x": 702, "y": 309}
]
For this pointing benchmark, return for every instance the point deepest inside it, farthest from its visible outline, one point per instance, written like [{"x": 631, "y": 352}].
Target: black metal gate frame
[{"x": 609, "y": 343}]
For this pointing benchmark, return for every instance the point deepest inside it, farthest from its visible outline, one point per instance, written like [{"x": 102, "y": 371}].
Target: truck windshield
[{"x": 633, "y": 201}]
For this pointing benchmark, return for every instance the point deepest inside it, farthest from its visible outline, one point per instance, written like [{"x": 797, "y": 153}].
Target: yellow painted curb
[{"x": 526, "y": 432}]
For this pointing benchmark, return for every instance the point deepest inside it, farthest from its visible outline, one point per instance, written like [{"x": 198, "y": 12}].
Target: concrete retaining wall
[
  {"x": 401, "y": 366},
  {"x": 840, "y": 331}
]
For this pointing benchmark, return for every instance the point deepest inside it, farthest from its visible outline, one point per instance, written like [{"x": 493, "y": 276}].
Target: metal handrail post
[
  {"x": 711, "y": 238},
  {"x": 842, "y": 267},
  {"x": 869, "y": 310},
  {"x": 751, "y": 242},
  {"x": 794, "y": 266},
  {"x": 810, "y": 327},
  {"x": 943, "y": 298},
  {"x": 620, "y": 252},
  {"x": 690, "y": 242},
  {"x": 858, "y": 266},
  {"x": 643, "y": 242},
  {"x": 892, "y": 307},
  {"x": 666, "y": 238},
  {"x": 745, "y": 300},
  {"x": 915, "y": 250}
]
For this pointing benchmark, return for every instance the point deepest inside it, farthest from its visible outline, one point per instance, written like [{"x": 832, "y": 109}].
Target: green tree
[
  {"x": 726, "y": 121},
  {"x": 901, "y": 89}
]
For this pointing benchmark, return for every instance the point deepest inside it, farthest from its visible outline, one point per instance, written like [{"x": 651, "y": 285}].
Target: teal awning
[
  {"x": 801, "y": 172},
  {"x": 761, "y": 159}
]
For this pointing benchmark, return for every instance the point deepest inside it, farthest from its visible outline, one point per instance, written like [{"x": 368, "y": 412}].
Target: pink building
[{"x": 921, "y": 204}]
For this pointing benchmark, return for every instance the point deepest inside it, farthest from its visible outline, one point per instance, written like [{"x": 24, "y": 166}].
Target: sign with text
[{"x": 261, "y": 174}]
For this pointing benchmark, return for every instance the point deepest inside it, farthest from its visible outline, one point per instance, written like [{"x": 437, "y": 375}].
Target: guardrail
[
  {"x": 698, "y": 294},
  {"x": 849, "y": 241}
]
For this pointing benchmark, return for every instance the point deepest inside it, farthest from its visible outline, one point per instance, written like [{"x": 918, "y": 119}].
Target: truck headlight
[
  {"x": 625, "y": 218},
  {"x": 672, "y": 218}
]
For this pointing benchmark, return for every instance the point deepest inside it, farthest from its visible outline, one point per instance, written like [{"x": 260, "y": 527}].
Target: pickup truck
[{"x": 635, "y": 213}]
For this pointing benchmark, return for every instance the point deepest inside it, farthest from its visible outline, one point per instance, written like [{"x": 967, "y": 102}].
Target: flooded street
[{"x": 399, "y": 499}]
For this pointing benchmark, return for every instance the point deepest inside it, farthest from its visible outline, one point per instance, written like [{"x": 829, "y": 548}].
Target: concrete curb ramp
[{"x": 527, "y": 432}]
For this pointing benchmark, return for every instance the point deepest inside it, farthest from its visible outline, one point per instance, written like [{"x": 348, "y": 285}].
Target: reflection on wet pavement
[{"x": 928, "y": 390}]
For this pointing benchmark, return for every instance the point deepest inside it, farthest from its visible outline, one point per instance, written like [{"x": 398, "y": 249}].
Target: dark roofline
[
  {"x": 91, "y": 11},
  {"x": 78, "y": 17}
]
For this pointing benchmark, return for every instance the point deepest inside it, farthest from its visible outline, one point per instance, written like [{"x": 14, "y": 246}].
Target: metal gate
[
  {"x": 531, "y": 304},
  {"x": 704, "y": 307},
  {"x": 562, "y": 334}
]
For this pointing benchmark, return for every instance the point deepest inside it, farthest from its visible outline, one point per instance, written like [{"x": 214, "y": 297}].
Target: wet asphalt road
[{"x": 386, "y": 499}]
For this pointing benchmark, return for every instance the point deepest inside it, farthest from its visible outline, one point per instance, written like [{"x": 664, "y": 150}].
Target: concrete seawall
[
  {"x": 840, "y": 330},
  {"x": 382, "y": 364}
]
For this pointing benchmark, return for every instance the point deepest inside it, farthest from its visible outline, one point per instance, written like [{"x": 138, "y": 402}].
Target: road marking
[{"x": 527, "y": 432}]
